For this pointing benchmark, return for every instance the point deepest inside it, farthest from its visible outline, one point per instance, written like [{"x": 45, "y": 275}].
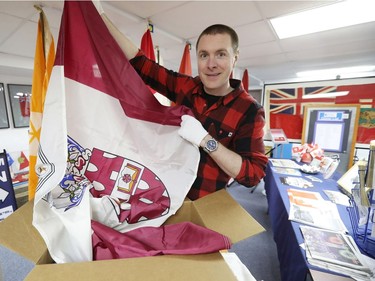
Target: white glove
[
  {"x": 98, "y": 6},
  {"x": 192, "y": 130}
]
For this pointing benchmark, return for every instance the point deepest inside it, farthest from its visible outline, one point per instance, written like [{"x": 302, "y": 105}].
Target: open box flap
[{"x": 220, "y": 212}]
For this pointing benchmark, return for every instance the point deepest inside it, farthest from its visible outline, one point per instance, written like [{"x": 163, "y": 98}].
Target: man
[{"x": 228, "y": 123}]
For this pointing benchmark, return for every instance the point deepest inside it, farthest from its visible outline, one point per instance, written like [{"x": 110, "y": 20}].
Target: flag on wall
[
  {"x": 43, "y": 63},
  {"x": 104, "y": 136},
  {"x": 185, "y": 66}
]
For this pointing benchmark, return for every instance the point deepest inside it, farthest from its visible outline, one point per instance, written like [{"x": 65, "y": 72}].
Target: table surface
[{"x": 287, "y": 234}]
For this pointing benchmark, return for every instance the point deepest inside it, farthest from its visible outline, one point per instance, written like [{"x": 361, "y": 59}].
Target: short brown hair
[{"x": 221, "y": 29}]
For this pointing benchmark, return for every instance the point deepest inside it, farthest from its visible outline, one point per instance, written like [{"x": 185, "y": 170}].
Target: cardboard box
[{"x": 218, "y": 211}]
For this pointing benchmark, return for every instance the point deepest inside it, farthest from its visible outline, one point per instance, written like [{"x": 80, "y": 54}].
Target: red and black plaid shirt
[{"x": 235, "y": 120}]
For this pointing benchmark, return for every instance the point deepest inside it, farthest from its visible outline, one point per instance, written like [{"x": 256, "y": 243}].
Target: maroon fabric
[
  {"x": 98, "y": 62},
  {"x": 183, "y": 238}
]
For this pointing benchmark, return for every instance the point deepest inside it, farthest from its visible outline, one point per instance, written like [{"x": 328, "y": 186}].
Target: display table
[{"x": 287, "y": 235}]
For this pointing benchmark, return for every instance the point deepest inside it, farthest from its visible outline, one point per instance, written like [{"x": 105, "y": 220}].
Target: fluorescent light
[
  {"x": 346, "y": 13},
  {"x": 326, "y": 95},
  {"x": 336, "y": 71}
]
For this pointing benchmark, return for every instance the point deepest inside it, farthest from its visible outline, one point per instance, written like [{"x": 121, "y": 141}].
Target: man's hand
[{"x": 192, "y": 130}]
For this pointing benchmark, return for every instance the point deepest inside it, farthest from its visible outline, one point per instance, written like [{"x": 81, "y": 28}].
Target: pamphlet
[
  {"x": 296, "y": 182},
  {"x": 286, "y": 171},
  {"x": 286, "y": 163},
  {"x": 310, "y": 208}
]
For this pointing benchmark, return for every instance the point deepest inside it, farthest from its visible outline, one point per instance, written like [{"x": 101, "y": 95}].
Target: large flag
[
  {"x": 43, "y": 63},
  {"x": 105, "y": 141},
  {"x": 185, "y": 66}
]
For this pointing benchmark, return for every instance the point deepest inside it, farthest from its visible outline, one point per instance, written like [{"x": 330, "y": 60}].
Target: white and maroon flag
[{"x": 106, "y": 143}]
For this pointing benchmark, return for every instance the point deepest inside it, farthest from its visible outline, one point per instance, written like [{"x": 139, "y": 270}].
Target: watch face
[{"x": 211, "y": 145}]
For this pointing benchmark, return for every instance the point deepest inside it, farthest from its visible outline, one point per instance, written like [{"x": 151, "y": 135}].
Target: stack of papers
[
  {"x": 337, "y": 252},
  {"x": 310, "y": 208}
]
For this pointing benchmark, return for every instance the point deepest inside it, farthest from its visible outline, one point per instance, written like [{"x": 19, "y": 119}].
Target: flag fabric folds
[
  {"x": 43, "y": 63},
  {"x": 109, "y": 151},
  {"x": 185, "y": 66},
  {"x": 167, "y": 240}
]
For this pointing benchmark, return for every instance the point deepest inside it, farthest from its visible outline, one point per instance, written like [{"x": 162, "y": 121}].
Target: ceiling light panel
[{"x": 346, "y": 13}]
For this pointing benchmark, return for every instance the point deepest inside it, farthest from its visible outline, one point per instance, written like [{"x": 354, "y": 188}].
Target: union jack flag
[{"x": 292, "y": 101}]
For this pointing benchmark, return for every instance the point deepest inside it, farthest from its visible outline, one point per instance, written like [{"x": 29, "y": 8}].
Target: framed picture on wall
[
  {"x": 19, "y": 96},
  {"x": 4, "y": 121},
  {"x": 334, "y": 128}
]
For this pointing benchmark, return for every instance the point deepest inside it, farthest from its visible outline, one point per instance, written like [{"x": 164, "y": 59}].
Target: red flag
[
  {"x": 185, "y": 66},
  {"x": 22, "y": 160},
  {"x": 147, "y": 45},
  {"x": 245, "y": 80}
]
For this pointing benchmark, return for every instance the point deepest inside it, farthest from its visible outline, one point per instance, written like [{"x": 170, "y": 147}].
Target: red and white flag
[{"x": 105, "y": 138}]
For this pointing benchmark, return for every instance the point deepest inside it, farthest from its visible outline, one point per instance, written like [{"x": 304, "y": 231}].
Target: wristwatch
[{"x": 211, "y": 145}]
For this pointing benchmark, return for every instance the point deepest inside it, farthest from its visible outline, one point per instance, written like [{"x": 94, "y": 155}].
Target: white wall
[{"x": 13, "y": 139}]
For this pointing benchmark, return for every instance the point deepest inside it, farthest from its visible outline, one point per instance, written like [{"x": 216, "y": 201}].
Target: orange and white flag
[{"x": 43, "y": 63}]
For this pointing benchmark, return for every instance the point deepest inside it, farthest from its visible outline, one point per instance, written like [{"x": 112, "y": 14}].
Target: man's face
[{"x": 216, "y": 61}]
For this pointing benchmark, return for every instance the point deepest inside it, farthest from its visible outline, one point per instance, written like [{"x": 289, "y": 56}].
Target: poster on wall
[
  {"x": 19, "y": 96},
  {"x": 285, "y": 104},
  {"x": 4, "y": 121}
]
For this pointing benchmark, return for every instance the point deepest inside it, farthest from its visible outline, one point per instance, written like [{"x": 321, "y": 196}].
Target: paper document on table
[
  {"x": 286, "y": 163},
  {"x": 296, "y": 182},
  {"x": 310, "y": 208},
  {"x": 287, "y": 171},
  {"x": 337, "y": 197}
]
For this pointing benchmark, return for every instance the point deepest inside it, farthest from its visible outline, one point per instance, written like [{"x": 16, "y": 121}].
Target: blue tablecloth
[{"x": 287, "y": 235}]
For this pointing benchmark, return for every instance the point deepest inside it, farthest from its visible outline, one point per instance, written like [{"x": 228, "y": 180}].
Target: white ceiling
[{"x": 267, "y": 58}]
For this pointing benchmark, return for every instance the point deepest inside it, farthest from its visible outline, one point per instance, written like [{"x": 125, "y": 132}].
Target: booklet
[{"x": 310, "y": 208}]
